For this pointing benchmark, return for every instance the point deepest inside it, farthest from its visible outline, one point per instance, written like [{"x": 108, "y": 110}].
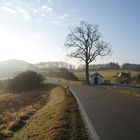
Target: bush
[
  {"x": 107, "y": 82},
  {"x": 1, "y": 84},
  {"x": 136, "y": 80},
  {"x": 25, "y": 81},
  {"x": 67, "y": 75},
  {"x": 61, "y": 73}
]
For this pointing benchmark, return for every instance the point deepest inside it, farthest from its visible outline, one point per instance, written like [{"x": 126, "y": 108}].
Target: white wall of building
[{"x": 100, "y": 79}]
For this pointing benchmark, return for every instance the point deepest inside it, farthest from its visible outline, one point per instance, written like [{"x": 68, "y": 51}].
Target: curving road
[{"x": 114, "y": 116}]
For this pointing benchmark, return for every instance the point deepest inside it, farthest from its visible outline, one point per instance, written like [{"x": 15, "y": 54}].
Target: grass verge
[
  {"x": 16, "y": 109},
  {"x": 126, "y": 91},
  {"x": 129, "y": 92},
  {"x": 59, "y": 120}
]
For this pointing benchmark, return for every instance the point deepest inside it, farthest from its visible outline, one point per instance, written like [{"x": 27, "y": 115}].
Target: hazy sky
[{"x": 35, "y": 30}]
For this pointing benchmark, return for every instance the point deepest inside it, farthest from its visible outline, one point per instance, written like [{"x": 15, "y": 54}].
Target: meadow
[
  {"x": 48, "y": 113},
  {"x": 58, "y": 120},
  {"x": 107, "y": 74},
  {"x": 15, "y": 109}
]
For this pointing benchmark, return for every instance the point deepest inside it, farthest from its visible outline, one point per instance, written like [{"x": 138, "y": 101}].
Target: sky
[{"x": 36, "y": 30}]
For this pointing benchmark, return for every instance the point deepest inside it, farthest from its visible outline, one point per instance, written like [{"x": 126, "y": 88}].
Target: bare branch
[{"x": 86, "y": 44}]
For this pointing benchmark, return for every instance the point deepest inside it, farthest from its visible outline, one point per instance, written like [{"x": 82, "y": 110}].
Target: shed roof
[
  {"x": 96, "y": 73},
  {"x": 123, "y": 74}
]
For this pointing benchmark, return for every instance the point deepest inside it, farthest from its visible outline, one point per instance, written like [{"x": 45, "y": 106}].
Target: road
[{"x": 114, "y": 116}]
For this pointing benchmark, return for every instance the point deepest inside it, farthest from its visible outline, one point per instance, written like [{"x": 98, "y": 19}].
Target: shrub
[
  {"x": 136, "y": 80},
  {"x": 67, "y": 75},
  {"x": 61, "y": 73},
  {"x": 25, "y": 81},
  {"x": 107, "y": 82},
  {"x": 1, "y": 84}
]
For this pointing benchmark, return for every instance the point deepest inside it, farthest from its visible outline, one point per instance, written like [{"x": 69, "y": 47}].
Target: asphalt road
[{"x": 114, "y": 116}]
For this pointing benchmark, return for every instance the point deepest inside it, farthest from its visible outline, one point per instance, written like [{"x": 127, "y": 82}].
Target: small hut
[
  {"x": 96, "y": 79},
  {"x": 123, "y": 78}
]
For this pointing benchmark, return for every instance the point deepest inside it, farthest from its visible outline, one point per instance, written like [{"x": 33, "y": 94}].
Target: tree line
[
  {"x": 92, "y": 67},
  {"x": 55, "y": 65},
  {"x": 128, "y": 66},
  {"x": 111, "y": 66}
]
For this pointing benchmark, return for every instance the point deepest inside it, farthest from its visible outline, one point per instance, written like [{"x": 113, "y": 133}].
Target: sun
[{"x": 14, "y": 45}]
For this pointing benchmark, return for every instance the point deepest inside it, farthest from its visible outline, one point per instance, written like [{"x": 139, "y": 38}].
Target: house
[
  {"x": 123, "y": 77},
  {"x": 96, "y": 79}
]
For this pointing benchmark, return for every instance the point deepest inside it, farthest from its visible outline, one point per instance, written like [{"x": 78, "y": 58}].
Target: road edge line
[{"x": 91, "y": 130}]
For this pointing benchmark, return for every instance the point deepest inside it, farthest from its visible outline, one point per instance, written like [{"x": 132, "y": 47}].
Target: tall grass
[{"x": 58, "y": 120}]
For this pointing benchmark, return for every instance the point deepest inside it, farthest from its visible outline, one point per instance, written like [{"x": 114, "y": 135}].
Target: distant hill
[
  {"x": 10, "y": 68},
  {"x": 55, "y": 65}
]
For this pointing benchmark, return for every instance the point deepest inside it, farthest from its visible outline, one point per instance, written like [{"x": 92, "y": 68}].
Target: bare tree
[{"x": 86, "y": 44}]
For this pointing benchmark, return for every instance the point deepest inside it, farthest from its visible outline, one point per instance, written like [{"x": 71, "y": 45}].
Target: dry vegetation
[
  {"x": 125, "y": 91},
  {"x": 129, "y": 92},
  {"x": 48, "y": 114},
  {"x": 15, "y": 109},
  {"x": 58, "y": 120}
]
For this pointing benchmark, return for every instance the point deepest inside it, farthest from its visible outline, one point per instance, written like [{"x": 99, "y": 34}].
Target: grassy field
[
  {"x": 15, "y": 107},
  {"x": 107, "y": 74},
  {"x": 48, "y": 114},
  {"x": 58, "y": 120}
]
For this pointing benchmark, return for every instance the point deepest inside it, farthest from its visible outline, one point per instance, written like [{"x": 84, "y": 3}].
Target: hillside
[
  {"x": 58, "y": 120},
  {"x": 10, "y": 68},
  {"x": 47, "y": 113}
]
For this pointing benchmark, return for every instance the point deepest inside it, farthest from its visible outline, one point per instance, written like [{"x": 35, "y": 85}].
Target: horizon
[
  {"x": 36, "y": 31},
  {"x": 81, "y": 64}
]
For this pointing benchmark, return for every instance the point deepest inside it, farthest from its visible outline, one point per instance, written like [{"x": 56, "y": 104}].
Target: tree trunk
[{"x": 87, "y": 73}]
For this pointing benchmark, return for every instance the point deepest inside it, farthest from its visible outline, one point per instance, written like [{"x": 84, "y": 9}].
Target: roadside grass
[
  {"x": 16, "y": 109},
  {"x": 107, "y": 74},
  {"x": 125, "y": 91},
  {"x": 129, "y": 92},
  {"x": 59, "y": 120},
  {"x": 136, "y": 84}
]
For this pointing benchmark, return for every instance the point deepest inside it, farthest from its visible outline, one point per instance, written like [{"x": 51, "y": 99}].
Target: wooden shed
[{"x": 96, "y": 79}]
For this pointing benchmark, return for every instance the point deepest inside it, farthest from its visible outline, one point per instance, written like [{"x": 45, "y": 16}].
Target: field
[
  {"x": 49, "y": 113},
  {"x": 14, "y": 107},
  {"x": 59, "y": 119},
  {"x": 107, "y": 74}
]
